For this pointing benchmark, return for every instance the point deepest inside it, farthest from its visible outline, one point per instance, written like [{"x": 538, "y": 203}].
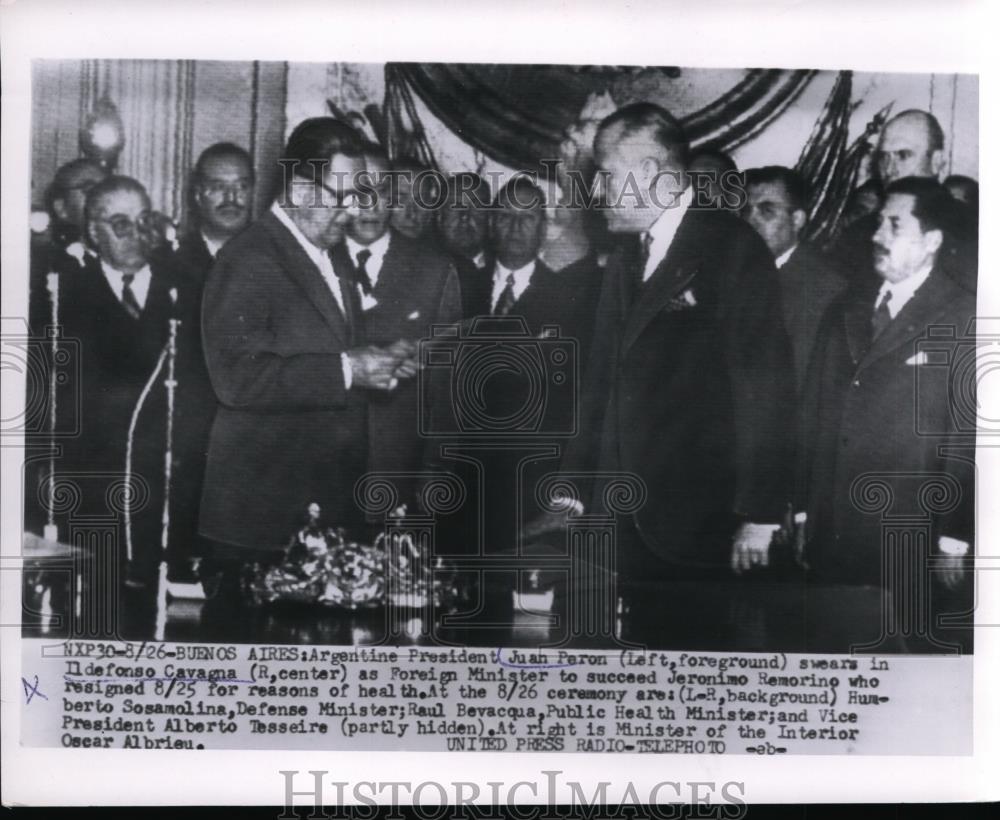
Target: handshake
[{"x": 381, "y": 368}]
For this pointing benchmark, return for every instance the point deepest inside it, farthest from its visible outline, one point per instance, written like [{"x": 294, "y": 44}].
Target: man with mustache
[
  {"x": 912, "y": 144},
  {"x": 222, "y": 188},
  {"x": 877, "y": 402}
]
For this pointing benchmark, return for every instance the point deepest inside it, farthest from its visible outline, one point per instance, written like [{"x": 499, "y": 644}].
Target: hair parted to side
[
  {"x": 933, "y": 206},
  {"x": 654, "y": 122},
  {"x": 314, "y": 142}
]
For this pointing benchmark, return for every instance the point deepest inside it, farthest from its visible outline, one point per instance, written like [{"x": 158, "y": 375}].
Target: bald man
[
  {"x": 911, "y": 145},
  {"x": 689, "y": 379}
]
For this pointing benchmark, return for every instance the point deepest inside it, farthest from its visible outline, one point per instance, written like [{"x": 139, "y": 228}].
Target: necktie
[
  {"x": 881, "y": 317},
  {"x": 639, "y": 278},
  {"x": 128, "y": 296},
  {"x": 507, "y": 298},
  {"x": 645, "y": 243},
  {"x": 362, "y": 271}
]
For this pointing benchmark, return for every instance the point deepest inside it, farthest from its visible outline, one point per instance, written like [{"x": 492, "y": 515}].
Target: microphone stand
[
  {"x": 170, "y": 383},
  {"x": 51, "y": 531}
]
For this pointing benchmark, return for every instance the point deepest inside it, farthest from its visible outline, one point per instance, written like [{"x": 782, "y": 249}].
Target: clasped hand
[{"x": 382, "y": 368}]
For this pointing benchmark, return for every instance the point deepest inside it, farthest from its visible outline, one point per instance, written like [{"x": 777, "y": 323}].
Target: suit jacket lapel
[
  {"x": 675, "y": 274},
  {"x": 858, "y": 327},
  {"x": 930, "y": 300},
  {"x": 304, "y": 272}
]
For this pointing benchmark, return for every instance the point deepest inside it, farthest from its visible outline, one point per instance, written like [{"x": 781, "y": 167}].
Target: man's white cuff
[
  {"x": 952, "y": 546},
  {"x": 345, "y": 364},
  {"x": 563, "y": 503}
]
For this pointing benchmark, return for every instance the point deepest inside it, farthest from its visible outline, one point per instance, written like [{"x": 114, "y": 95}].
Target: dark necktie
[
  {"x": 645, "y": 243},
  {"x": 128, "y": 296},
  {"x": 638, "y": 280},
  {"x": 362, "y": 271},
  {"x": 507, "y": 298},
  {"x": 881, "y": 317}
]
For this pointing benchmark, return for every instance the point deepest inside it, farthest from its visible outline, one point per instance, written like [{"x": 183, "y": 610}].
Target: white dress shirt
[
  {"x": 522, "y": 278},
  {"x": 321, "y": 259},
  {"x": 662, "y": 232},
  {"x": 783, "y": 258},
  {"x": 903, "y": 290},
  {"x": 140, "y": 283},
  {"x": 213, "y": 245},
  {"x": 373, "y": 266}
]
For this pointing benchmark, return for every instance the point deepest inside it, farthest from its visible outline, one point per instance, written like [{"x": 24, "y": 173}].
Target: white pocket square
[
  {"x": 414, "y": 315},
  {"x": 917, "y": 359}
]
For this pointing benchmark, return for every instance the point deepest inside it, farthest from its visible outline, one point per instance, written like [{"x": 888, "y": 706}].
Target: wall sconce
[{"x": 103, "y": 135}]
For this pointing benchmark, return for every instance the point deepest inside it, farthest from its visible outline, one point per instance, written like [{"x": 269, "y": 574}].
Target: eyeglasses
[
  {"x": 342, "y": 199},
  {"x": 123, "y": 227}
]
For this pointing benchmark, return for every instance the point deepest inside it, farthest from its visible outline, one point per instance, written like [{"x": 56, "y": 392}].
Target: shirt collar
[
  {"x": 521, "y": 275},
  {"x": 903, "y": 290},
  {"x": 213, "y": 245},
  {"x": 661, "y": 233},
  {"x": 116, "y": 275},
  {"x": 780, "y": 261},
  {"x": 665, "y": 226},
  {"x": 378, "y": 248},
  {"x": 317, "y": 255}
]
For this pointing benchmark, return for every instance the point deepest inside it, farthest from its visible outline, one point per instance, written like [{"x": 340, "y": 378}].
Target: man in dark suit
[
  {"x": 463, "y": 225},
  {"x": 119, "y": 307},
  {"x": 521, "y": 302},
  {"x": 775, "y": 207},
  {"x": 285, "y": 352},
  {"x": 688, "y": 384},
  {"x": 404, "y": 287},
  {"x": 879, "y": 402},
  {"x": 222, "y": 185}
]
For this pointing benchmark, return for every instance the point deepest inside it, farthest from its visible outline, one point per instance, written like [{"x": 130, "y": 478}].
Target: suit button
[{"x": 856, "y": 383}]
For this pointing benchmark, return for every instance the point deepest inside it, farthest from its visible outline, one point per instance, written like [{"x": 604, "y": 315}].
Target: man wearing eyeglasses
[
  {"x": 288, "y": 360},
  {"x": 118, "y": 309}
]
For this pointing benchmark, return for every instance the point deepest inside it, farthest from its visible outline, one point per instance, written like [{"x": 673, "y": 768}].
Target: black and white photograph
[
  {"x": 365, "y": 391},
  {"x": 500, "y": 354}
]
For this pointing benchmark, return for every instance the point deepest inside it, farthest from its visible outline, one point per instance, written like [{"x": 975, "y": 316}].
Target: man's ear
[
  {"x": 933, "y": 240},
  {"x": 91, "y": 233},
  {"x": 59, "y": 206},
  {"x": 648, "y": 170},
  {"x": 799, "y": 220},
  {"x": 938, "y": 162}
]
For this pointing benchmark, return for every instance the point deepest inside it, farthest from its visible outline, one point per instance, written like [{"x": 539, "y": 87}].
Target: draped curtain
[
  {"x": 156, "y": 101},
  {"x": 518, "y": 114}
]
